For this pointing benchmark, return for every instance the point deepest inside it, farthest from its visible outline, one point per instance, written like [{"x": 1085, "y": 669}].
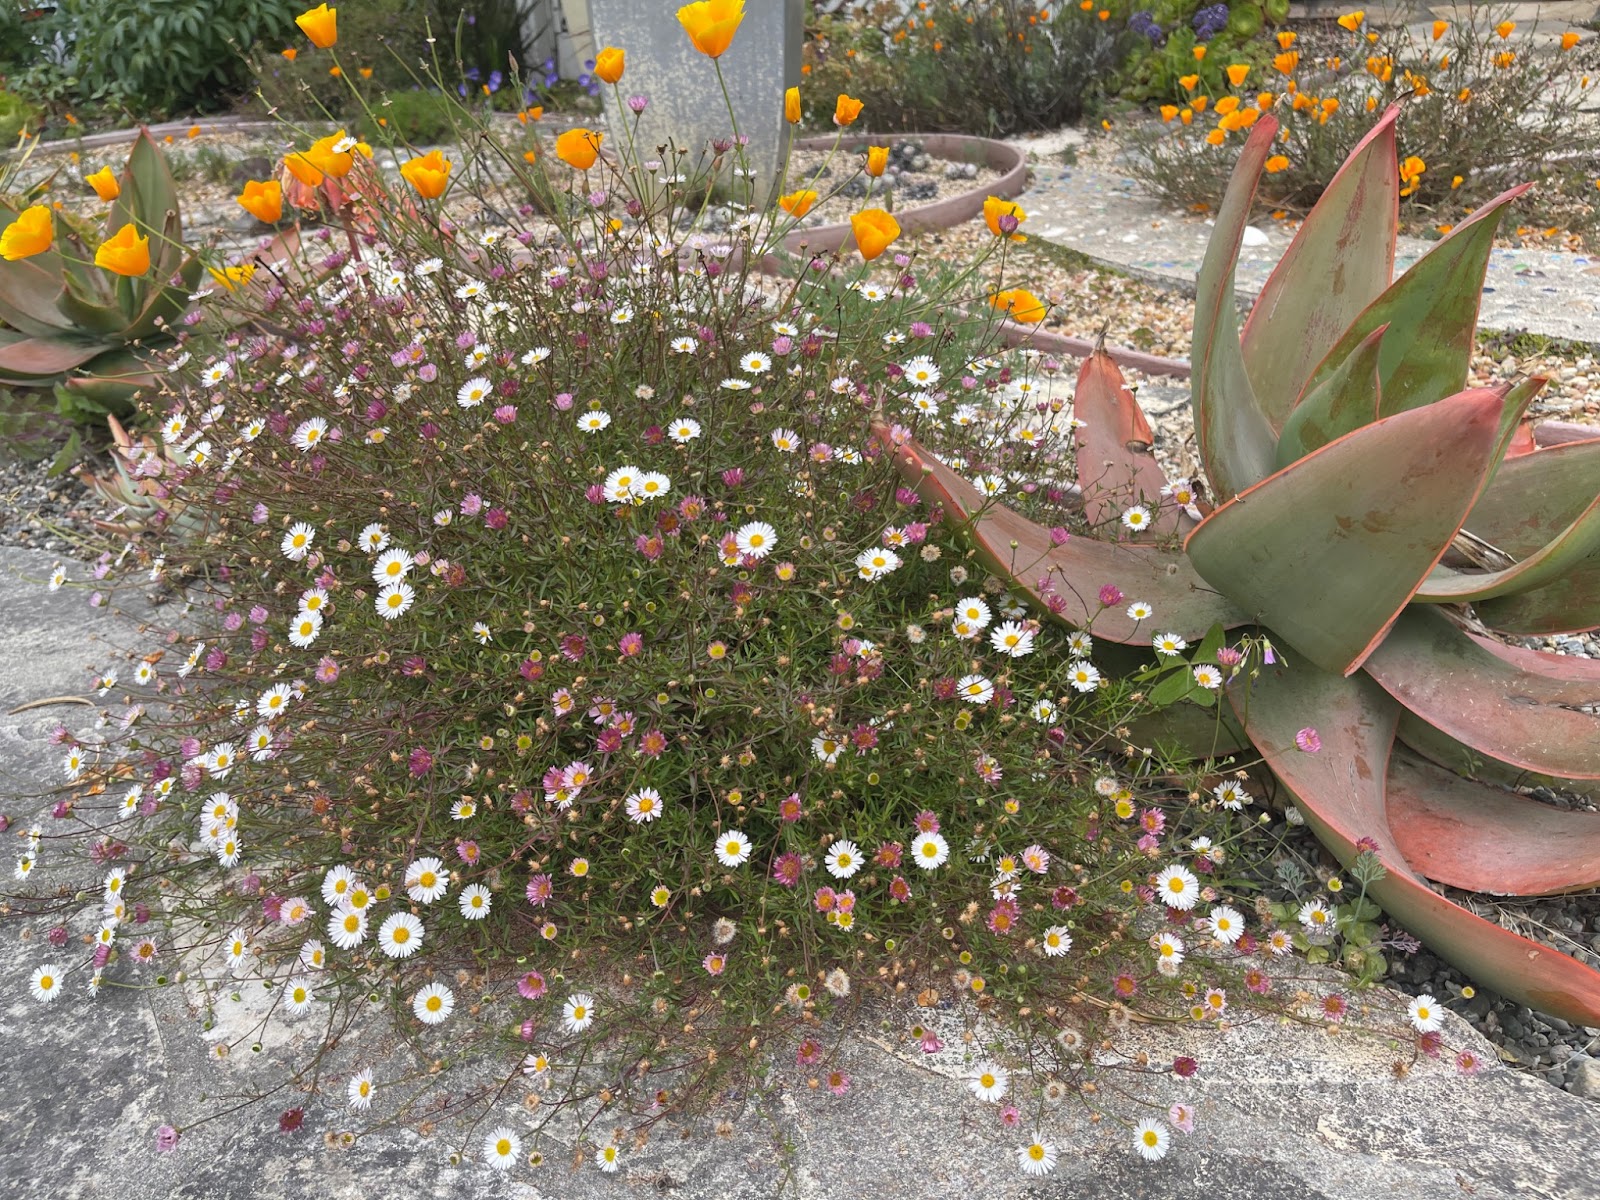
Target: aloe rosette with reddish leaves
[{"x": 1385, "y": 527}]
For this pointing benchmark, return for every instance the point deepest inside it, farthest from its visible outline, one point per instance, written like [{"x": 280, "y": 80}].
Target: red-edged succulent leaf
[
  {"x": 1340, "y": 261},
  {"x": 1477, "y": 697},
  {"x": 1432, "y": 313},
  {"x": 1013, "y": 546},
  {"x": 1116, "y": 468},
  {"x": 1534, "y": 497},
  {"x": 1235, "y": 439},
  {"x": 1340, "y": 791},
  {"x": 1552, "y": 562},
  {"x": 1522, "y": 441},
  {"x": 1542, "y": 662},
  {"x": 1439, "y": 747},
  {"x": 148, "y": 196},
  {"x": 33, "y": 359},
  {"x": 1328, "y": 551},
  {"x": 1569, "y": 605},
  {"x": 1343, "y": 402},
  {"x": 1485, "y": 839}
]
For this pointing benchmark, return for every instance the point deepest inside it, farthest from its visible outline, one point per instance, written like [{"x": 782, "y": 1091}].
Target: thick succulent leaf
[
  {"x": 1116, "y": 468},
  {"x": 1482, "y": 838},
  {"x": 1198, "y": 733},
  {"x": 90, "y": 316},
  {"x": 30, "y": 360},
  {"x": 1543, "y": 662},
  {"x": 1017, "y": 548},
  {"x": 1439, "y": 747},
  {"x": 1236, "y": 441},
  {"x": 1449, "y": 680},
  {"x": 1343, "y": 402},
  {"x": 148, "y": 195},
  {"x": 1432, "y": 313},
  {"x": 168, "y": 302},
  {"x": 1327, "y": 552},
  {"x": 1340, "y": 261},
  {"x": 1534, "y": 497},
  {"x": 1340, "y": 791},
  {"x": 1552, "y": 562},
  {"x": 1571, "y": 604}
]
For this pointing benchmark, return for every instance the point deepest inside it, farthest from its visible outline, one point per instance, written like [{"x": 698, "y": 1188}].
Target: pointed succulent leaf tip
[
  {"x": 1343, "y": 402},
  {"x": 1569, "y": 605},
  {"x": 1532, "y": 721},
  {"x": 1116, "y": 469},
  {"x": 1531, "y": 499},
  {"x": 1340, "y": 261},
  {"x": 1471, "y": 835},
  {"x": 1236, "y": 442},
  {"x": 1341, "y": 794},
  {"x": 1024, "y": 552},
  {"x": 1328, "y": 551},
  {"x": 1432, "y": 314}
]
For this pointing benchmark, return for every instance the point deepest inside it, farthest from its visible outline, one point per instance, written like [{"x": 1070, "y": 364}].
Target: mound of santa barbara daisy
[{"x": 552, "y": 656}]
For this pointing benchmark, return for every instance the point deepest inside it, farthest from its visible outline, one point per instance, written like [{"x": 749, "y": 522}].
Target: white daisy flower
[
  {"x": 1208, "y": 677},
  {"x": 755, "y": 539},
  {"x": 1425, "y": 1013},
  {"x": 643, "y": 806},
  {"x": 394, "y": 600},
  {"x": 1227, "y": 924},
  {"x": 875, "y": 564},
  {"x": 733, "y": 848},
  {"x": 392, "y": 566},
  {"x": 501, "y": 1148},
  {"x": 594, "y": 421},
  {"x": 1083, "y": 676},
  {"x": 309, "y": 434},
  {"x": 683, "y": 430},
  {"x": 578, "y": 1012},
  {"x": 347, "y": 928},
  {"x": 45, "y": 983},
  {"x": 606, "y": 1158},
  {"x": 433, "y": 1004},
  {"x": 474, "y": 392},
  {"x": 975, "y": 689},
  {"x": 1038, "y": 1157},
  {"x": 843, "y": 859},
  {"x": 475, "y": 901},
  {"x": 1056, "y": 941},
  {"x": 297, "y": 541},
  {"x": 988, "y": 1082},
  {"x": 786, "y": 440},
  {"x": 755, "y": 363},
  {"x": 535, "y": 356},
  {"x": 1177, "y": 887},
  {"x": 426, "y": 880},
  {"x": 1012, "y": 638},
  {"x": 359, "y": 1090},
  {"x": 930, "y": 851},
  {"x": 1044, "y": 712},
  {"x": 1150, "y": 1140},
  {"x": 1136, "y": 518},
  {"x": 274, "y": 700},
  {"x": 298, "y": 996},
  {"x": 400, "y": 935}
]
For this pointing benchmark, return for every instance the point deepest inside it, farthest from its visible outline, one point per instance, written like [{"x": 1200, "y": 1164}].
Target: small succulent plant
[
  {"x": 74, "y": 325},
  {"x": 1385, "y": 528}
]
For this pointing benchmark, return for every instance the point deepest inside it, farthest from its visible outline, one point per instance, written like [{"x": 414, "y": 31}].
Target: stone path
[
  {"x": 1283, "y": 1113},
  {"x": 1096, "y": 211}
]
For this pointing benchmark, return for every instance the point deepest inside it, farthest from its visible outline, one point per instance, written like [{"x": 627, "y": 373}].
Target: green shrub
[
  {"x": 1481, "y": 111},
  {"x": 388, "y": 39},
  {"x": 990, "y": 67},
  {"x": 16, "y": 114},
  {"x": 423, "y": 118},
  {"x": 158, "y": 57}
]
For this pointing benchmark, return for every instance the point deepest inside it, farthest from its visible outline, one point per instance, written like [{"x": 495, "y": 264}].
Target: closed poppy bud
[
  {"x": 579, "y": 147},
  {"x": 263, "y": 201},
  {"x": 791, "y": 106},
  {"x": 1199, "y": 53},
  {"x": 31, "y": 233},
  {"x": 846, "y": 109},
  {"x": 711, "y": 24},
  {"x": 608, "y": 64},
  {"x": 874, "y": 229},
  {"x": 291, "y": 54},
  {"x": 1200, "y": 103},
  {"x": 104, "y": 183},
  {"x": 429, "y": 174},
  {"x": 1238, "y": 73},
  {"x": 1265, "y": 100},
  {"x": 124, "y": 253},
  {"x": 1438, "y": 29},
  {"x": 1275, "y": 164},
  {"x": 799, "y": 203},
  {"x": 1186, "y": 116},
  {"x": 1568, "y": 40},
  {"x": 1169, "y": 113},
  {"x": 877, "y": 160},
  {"x": 1455, "y": 183},
  {"x": 1286, "y": 39},
  {"x": 1020, "y": 305},
  {"x": 321, "y": 25}
]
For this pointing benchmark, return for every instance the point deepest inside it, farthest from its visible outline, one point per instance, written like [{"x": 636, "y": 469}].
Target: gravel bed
[{"x": 38, "y": 512}]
